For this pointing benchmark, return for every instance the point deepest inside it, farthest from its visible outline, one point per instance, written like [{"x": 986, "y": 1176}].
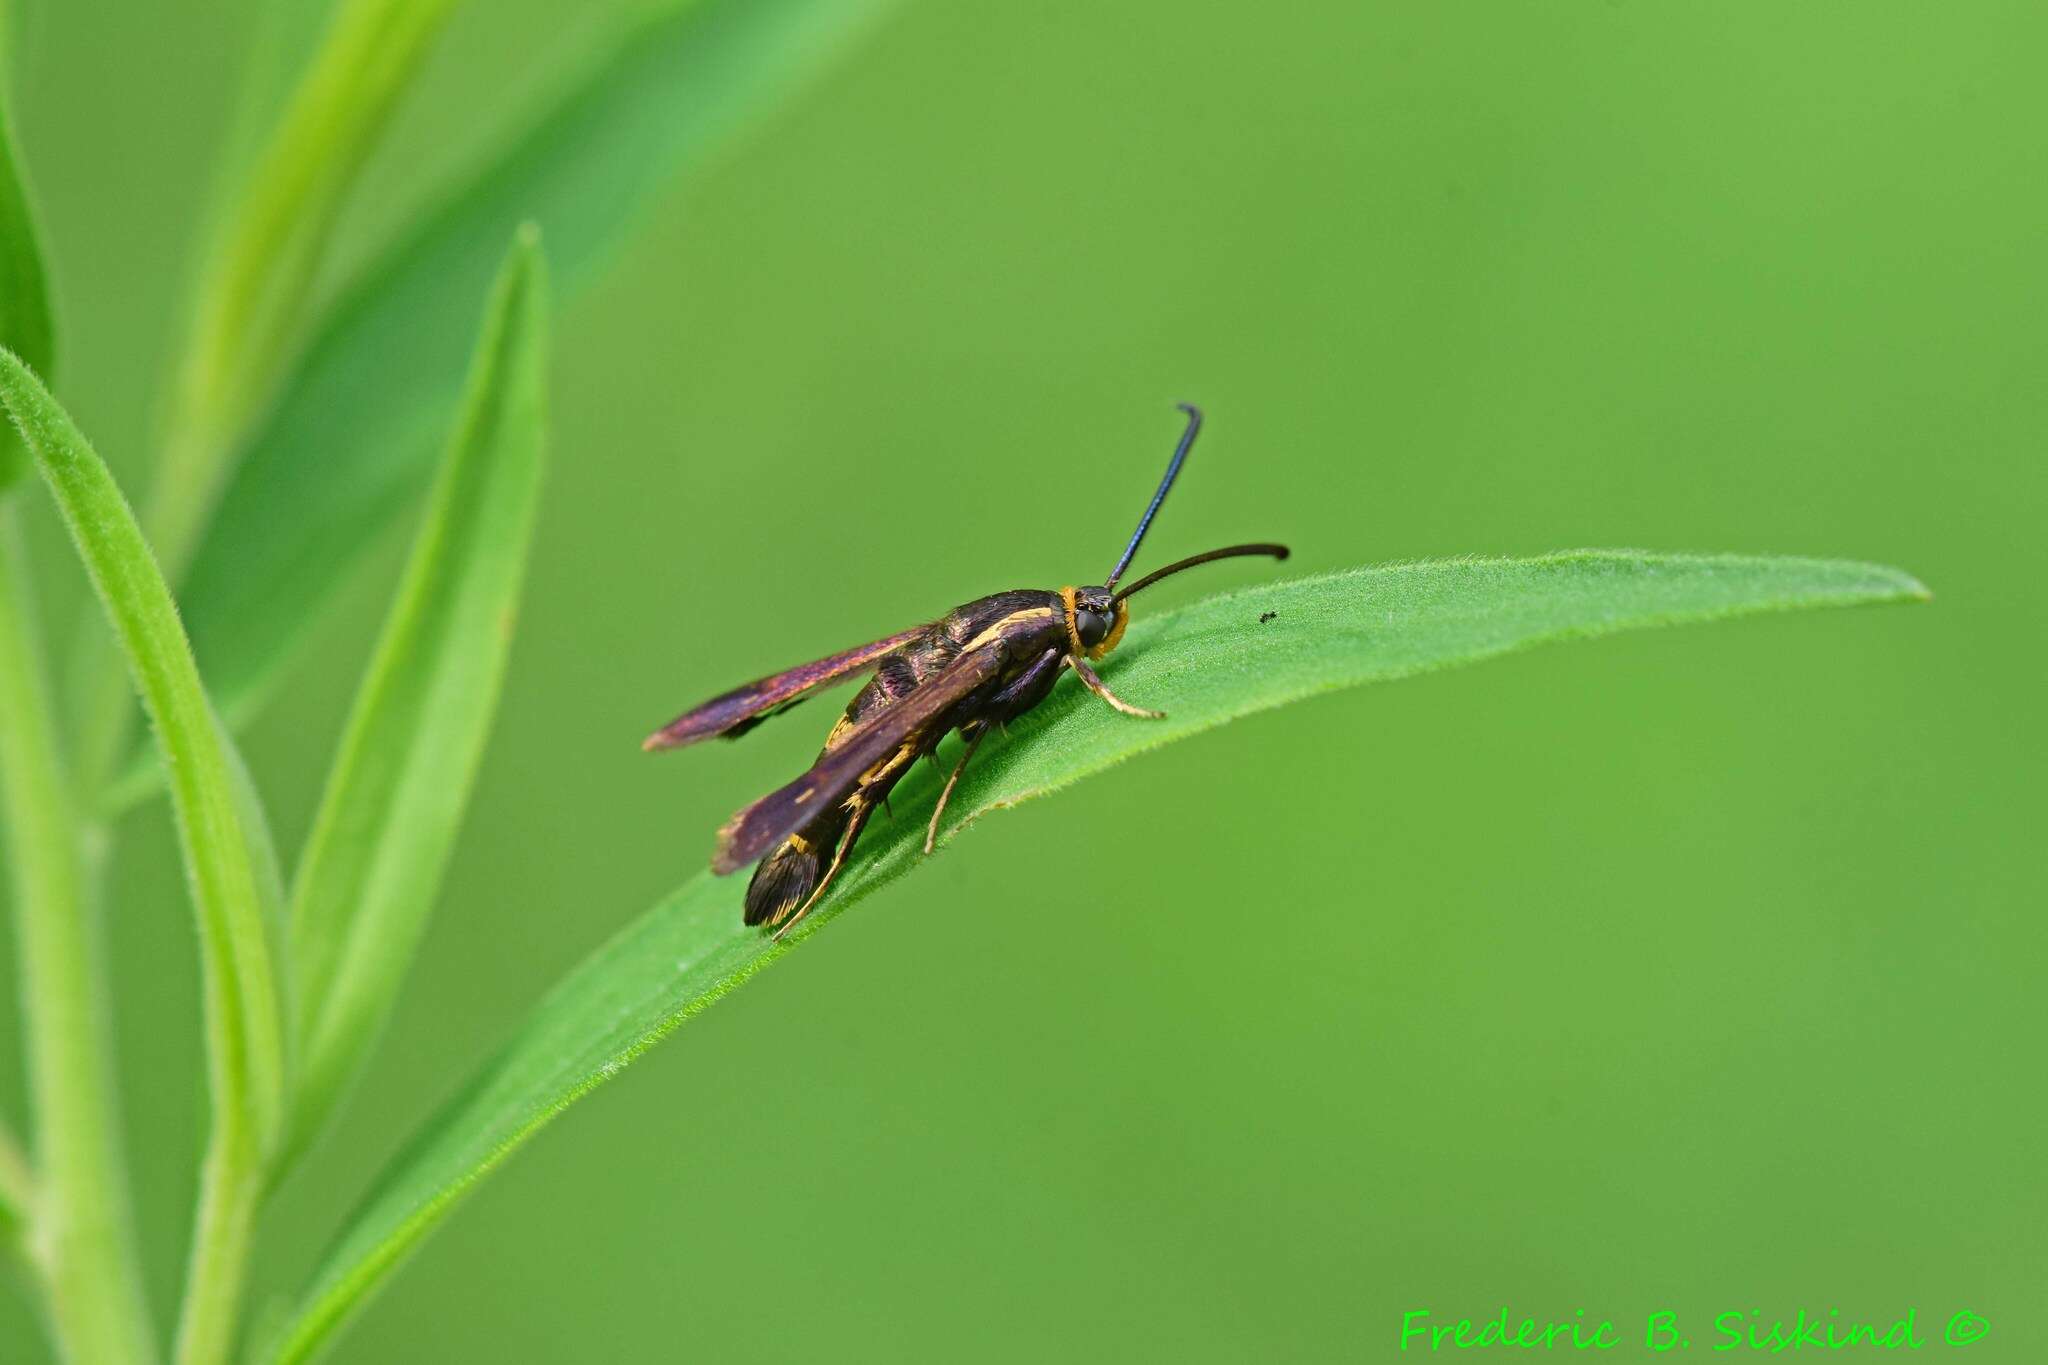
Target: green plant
[{"x": 275, "y": 475}]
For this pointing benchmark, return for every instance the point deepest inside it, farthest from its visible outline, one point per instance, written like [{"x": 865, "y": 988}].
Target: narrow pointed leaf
[
  {"x": 250, "y": 310},
  {"x": 25, "y": 321},
  {"x": 273, "y": 236},
  {"x": 220, "y": 846},
  {"x": 325, "y": 473},
  {"x": 407, "y": 760},
  {"x": 257, "y": 283},
  {"x": 1205, "y": 665}
]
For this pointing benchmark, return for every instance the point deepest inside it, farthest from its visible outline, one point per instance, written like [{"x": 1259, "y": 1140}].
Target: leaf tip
[
  {"x": 523, "y": 278},
  {"x": 1902, "y": 586},
  {"x": 527, "y": 260}
]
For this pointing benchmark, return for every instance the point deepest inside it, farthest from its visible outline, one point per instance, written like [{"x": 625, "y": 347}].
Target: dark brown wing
[
  {"x": 741, "y": 709},
  {"x": 751, "y": 833}
]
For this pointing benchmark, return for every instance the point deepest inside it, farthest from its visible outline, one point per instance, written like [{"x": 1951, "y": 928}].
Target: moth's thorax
[{"x": 1024, "y": 621}]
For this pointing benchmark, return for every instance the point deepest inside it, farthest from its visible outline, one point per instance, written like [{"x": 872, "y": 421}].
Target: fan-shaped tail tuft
[{"x": 785, "y": 880}]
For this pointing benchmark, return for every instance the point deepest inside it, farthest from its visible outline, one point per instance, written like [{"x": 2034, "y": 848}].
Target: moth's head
[{"x": 1095, "y": 619}]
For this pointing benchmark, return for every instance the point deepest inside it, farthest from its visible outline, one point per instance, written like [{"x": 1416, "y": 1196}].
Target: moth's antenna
[
  {"x": 1180, "y": 455},
  {"x": 1227, "y": 552}
]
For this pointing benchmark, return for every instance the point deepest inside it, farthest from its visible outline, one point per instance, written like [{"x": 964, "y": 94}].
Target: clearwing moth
[{"x": 980, "y": 665}]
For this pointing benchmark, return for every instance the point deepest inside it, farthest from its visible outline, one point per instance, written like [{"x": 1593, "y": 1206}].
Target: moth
[{"x": 977, "y": 667}]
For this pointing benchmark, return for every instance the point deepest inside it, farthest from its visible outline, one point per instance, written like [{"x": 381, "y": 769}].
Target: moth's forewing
[
  {"x": 761, "y": 826},
  {"x": 734, "y": 713}
]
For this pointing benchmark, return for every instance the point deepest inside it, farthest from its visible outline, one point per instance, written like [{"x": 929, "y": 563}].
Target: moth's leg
[
  {"x": 1100, "y": 689},
  {"x": 1026, "y": 691},
  {"x": 931, "y": 834},
  {"x": 862, "y": 808}
]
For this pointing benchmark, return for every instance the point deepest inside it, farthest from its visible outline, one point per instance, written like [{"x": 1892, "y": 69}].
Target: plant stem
[
  {"x": 16, "y": 1184},
  {"x": 17, "y": 1191},
  {"x": 17, "y": 1196},
  {"x": 230, "y": 1193},
  {"x": 81, "y": 1229}
]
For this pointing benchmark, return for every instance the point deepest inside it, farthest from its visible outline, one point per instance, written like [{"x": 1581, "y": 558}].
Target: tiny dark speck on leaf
[{"x": 1266, "y": 616}]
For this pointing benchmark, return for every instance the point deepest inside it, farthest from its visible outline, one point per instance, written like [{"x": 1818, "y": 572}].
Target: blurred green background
[{"x": 1693, "y": 971}]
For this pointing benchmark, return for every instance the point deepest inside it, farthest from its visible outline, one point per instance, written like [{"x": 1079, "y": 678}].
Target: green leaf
[
  {"x": 222, "y": 851},
  {"x": 250, "y": 309},
  {"x": 327, "y": 471},
  {"x": 1204, "y": 664},
  {"x": 25, "y": 321},
  {"x": 409, "y": 756},
  {"x": 256, "y": 286}
]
